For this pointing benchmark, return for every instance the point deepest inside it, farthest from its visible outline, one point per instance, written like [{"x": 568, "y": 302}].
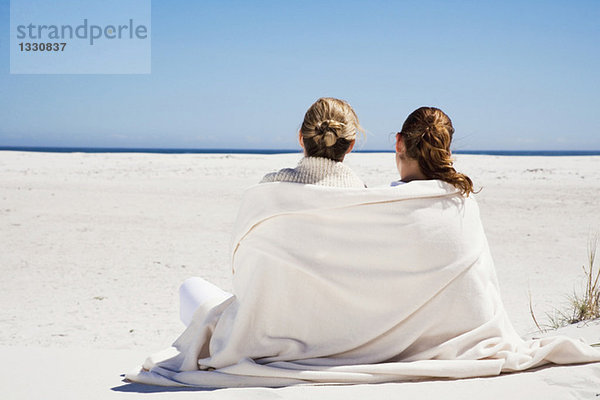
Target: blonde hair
[
  {"x": 328, "y": 129},
  {"x": 427, "y": 134}
]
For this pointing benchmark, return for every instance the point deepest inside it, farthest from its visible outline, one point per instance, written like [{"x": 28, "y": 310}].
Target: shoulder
[
  {"x": 282, "y": 175},
  {"x": 269, "y": 177}
]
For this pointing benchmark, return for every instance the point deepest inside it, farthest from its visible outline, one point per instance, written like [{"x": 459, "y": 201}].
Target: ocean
[{"x": 551, "y": 153}]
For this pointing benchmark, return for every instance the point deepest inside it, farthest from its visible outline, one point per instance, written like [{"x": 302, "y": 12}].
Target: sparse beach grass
[{"x": 581, "y": 307}]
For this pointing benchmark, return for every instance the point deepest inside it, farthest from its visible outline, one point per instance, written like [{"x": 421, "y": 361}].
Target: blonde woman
[{"x": 327, "y": 134}]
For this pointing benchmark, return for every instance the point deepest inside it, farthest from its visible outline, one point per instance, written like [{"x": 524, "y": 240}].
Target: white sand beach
[{"x": 94, "y": 247}]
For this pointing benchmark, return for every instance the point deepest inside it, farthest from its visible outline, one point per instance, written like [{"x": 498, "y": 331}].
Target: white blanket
[{"x": 352, "y": 286}]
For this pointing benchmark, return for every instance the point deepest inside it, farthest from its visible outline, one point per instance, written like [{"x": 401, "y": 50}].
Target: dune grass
[{"x": 582, "y": 307}]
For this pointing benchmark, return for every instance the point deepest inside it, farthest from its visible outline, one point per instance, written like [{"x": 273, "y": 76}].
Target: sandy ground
[{"x": 94, "y": 247}]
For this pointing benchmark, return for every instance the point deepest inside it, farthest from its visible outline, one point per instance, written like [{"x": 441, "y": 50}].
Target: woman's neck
[
  {"x": 409, "y": 170},
  {"x": 408, "y": 178}
]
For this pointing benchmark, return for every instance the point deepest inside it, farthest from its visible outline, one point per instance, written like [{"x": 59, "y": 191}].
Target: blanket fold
[{"x": 352, "y": 286}]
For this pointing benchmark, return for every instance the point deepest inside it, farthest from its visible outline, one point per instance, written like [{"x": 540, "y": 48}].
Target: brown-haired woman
[{"x": 423, "y": 149}]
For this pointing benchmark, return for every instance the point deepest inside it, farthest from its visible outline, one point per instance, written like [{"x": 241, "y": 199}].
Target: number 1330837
[{"x": 25, "y": 46}]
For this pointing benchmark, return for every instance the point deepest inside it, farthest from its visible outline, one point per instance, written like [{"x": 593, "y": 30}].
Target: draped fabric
[{"x": 336, "y": 285}]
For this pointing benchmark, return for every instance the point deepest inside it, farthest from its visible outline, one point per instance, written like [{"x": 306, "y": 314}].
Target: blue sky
[{"x": 241, "y": 74}]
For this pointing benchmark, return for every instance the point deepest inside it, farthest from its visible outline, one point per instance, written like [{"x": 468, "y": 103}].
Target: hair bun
[
  {"x": 329, "y": 130},
  {"x": 329, "y": 139}
]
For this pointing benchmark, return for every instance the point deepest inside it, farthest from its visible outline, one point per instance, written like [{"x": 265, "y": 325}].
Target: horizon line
[{"x": 183, "y": 150}]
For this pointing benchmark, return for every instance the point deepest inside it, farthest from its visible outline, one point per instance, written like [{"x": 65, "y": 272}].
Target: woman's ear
[
  {"x": 399, "y": 143},
  {"x": 300, "y": 139},
  {"x": 351, "y": 146}
]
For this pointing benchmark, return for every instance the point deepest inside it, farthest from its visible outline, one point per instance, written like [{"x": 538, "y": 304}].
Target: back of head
[
  {"x": 329, "y": 128},
  {"x": 427, "y": 134}
]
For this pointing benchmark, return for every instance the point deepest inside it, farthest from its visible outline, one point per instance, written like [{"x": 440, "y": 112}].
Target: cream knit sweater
[{"x": 317, "y": 171}]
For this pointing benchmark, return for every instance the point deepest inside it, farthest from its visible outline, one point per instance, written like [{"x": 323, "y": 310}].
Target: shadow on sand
[{"x": 133, "y": 387}]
